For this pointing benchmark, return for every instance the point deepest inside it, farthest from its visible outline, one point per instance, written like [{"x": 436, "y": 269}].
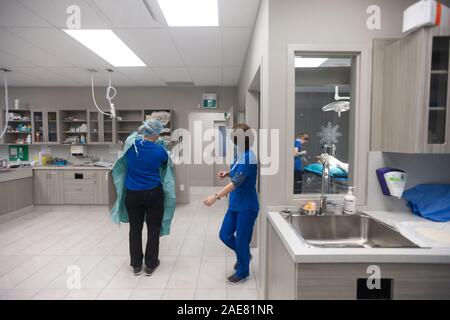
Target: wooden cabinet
[
  {"x": 16, "y": 194},
  {"x": 79, "y": 187},
  {"x": 48, "y": 187},
  {"x": 415, "y": 93},
  {"x": 67, "y": 186}
]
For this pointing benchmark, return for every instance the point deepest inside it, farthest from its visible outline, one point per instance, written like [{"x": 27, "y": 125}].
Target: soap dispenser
[{"x": 350, "y": 202}]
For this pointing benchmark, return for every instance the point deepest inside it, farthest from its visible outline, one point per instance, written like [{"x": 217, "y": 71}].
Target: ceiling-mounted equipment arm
[
  {"x": 93, "y": 95},
  {"x": 336, "y": 95},
  {"x": 5, "y": 79}
]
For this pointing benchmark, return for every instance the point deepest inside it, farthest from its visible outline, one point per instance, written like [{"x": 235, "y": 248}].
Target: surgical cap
[{"x": 151, "y": 128}]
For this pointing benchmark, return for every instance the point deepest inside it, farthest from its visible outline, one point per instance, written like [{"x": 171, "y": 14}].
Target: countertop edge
[
  {"x": 300, "y": 253},
  {"x": 16, "y": 174},
  {"x": 70, "y": 168}
]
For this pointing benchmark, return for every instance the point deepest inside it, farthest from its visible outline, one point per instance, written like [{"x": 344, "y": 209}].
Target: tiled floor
[{"x": 38, "y": 248}]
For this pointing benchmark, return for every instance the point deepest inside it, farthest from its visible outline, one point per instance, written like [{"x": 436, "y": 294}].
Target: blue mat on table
[
  {"x": 335, "y": 172},
  {"x": 430, "y": 201}
]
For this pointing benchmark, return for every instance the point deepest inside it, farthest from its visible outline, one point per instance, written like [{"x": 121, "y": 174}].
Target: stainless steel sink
[{"x": 348, "y": 231}]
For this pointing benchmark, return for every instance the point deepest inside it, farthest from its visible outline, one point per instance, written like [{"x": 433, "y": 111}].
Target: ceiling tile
[
  {"x": 134, "y": 15},
  {"x": 63, "y": 46},
  {"x": 238, "y": 13},
  {"x": 77, "y": 75},
  {"x": 231, "y": 76},
  {"x": 20, "y": 79},
  {"x": 235, "y": 44},
  {"x": 55, "y": 12},
  {"x": 15, "y": 14},
  {"x": 8, "y": 60},
  {"x": 173, "y": 74},
  {"x": 141, "y": 76},
  {"x": 154, "y": 46},
  {"x": 44, "y": 77},
  {"x": 28, "y": 52},
  {"x": 198, "y": 46},
  {"x": 119, "y": 79},
  {"x": 211, "y": 76}
]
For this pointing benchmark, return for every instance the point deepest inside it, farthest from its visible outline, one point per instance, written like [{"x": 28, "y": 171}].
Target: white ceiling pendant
[
  {"x": 108, "y": 46},
  {"x": 190, "y": 13}
]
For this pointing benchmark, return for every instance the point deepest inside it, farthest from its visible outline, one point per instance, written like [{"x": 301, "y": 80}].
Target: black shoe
[
  {"x": 149, "y": 271},
  {"x": 237, "y": 264},
  {"x": 234, "y": 279},
  {"x": 137, "y": 271}
]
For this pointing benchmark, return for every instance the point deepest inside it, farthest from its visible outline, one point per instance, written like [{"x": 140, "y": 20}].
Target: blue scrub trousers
[{"x": 236, "y": 233}]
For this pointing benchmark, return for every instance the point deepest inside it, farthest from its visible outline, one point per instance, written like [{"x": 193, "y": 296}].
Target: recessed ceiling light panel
[
  {"x": 108, "y": 46},
  {"x": 190, "y": 13},
  {"x": 301, "y": 62}
]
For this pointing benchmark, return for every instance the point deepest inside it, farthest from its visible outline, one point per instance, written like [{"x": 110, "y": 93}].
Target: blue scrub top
[
  {"x": 245, "y": 197},
  {"x": 143, "y": 166},
  {"x": 298, "y": 166}
]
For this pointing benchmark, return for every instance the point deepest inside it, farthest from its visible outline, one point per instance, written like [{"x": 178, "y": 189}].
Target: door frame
[{"x": 217, "y": 124}]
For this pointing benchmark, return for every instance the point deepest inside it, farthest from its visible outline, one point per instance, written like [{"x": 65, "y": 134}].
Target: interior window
[{"x": 323, "y": 112}]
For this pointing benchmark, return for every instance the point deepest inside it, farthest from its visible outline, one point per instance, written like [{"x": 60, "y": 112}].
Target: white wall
[{"x": 257, "y": 59}]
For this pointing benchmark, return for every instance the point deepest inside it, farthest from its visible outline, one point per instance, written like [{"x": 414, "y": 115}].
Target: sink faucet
[{"x": 325, "y": 184}]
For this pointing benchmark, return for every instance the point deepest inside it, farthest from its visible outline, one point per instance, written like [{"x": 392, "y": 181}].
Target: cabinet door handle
[{"x": 78, "y": 176}]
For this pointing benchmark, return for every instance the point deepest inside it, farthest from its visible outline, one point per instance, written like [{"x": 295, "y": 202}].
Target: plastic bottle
[{"x": 350, "y": 202}]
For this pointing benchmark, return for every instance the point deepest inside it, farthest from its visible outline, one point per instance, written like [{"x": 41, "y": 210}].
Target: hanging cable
[
  {"x": 5, "y": 78},
  {"x": 110, "y": 88},
  {"x": 93, "y": 96},
  {"x": 111, "y": 93}
]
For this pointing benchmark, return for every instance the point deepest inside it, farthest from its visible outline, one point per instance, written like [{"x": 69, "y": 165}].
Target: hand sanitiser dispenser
[{"x": 392, "y": 181}]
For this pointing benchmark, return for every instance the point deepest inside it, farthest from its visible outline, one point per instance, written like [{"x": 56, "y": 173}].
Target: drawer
[{"x": 81, "y": 192}]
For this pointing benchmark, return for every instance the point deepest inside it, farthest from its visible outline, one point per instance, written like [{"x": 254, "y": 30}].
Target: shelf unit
[
  {"x": 131, "y": 119},
  {"x": 63, "y": 126},
  {"x": 74, "y": 126},
  {"x": 165, "y": 116},
  {"x": 45, "y": 127},
  {"x": 13, "y": 135},
  {"x": 437, "y": 111}
]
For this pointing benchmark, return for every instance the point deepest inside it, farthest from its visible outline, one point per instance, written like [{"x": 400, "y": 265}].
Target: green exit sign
[{"x": 209, "y": 101}]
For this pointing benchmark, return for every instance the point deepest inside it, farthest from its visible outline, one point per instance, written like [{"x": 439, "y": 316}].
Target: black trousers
[
  {"x": 145, "y": 205},
  {"x": 298, "y": 182}
]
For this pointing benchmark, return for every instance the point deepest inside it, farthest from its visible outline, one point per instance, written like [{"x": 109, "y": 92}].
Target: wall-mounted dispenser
[
  {"x": 392, "y": 181},
  {"x": 425, "y": 13}
]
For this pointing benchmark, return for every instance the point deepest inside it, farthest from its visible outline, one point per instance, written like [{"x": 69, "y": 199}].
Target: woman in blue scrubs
[
  {"x": 145, "y": 198},
  {"x": 237, "y": 226},
  {"x": 302, "y": 139}
]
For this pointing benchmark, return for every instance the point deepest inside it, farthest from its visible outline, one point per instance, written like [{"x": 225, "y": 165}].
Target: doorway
[
  {"x": 204, "y": 174},
  {"x": 220, "y": 130}
]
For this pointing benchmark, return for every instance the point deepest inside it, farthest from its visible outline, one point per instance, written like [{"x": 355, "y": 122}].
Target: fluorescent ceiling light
[
  {"x": 190, "y": 13},
  {"x": 108, "y": 46},
  {"x": 301, "y": 62}
]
